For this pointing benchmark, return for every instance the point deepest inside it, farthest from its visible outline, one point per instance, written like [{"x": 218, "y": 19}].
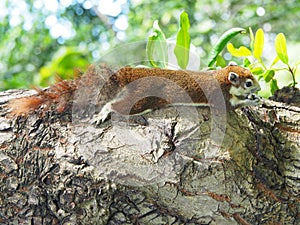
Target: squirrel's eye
[{"x": 248, "y": 83}]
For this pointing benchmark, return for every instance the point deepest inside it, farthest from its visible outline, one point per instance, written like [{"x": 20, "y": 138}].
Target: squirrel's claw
[{"x": 103, "y": 115}]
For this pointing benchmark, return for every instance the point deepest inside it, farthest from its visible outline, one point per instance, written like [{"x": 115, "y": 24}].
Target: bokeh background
[{"x": 42, "y": 38}]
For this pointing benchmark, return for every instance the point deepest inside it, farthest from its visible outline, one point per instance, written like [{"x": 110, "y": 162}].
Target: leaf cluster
[
  {"x": 253, "y": 58},
  {"x": 157, "y": 48},
  {"x": 157, "y": 52}
]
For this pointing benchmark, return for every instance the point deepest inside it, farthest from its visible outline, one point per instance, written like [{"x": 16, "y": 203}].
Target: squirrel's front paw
[
  {"x": 102, "y": 115},
  {"x": 254, "y": 98}
]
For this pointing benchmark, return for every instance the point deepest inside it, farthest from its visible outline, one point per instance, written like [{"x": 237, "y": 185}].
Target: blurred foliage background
[{"x": 42, "y": 38}]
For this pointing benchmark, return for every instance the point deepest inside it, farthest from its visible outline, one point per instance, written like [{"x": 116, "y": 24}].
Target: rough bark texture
[{"x": 172, "y": 171}]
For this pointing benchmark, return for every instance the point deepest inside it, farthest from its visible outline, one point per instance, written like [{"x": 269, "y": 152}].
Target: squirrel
[{"x": 131, "y": 91}]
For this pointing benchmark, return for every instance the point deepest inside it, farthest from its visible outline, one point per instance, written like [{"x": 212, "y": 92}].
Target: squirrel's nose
[{"x": 256, "y": 87}]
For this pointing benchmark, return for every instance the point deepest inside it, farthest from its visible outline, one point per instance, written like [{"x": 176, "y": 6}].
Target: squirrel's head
[{"x": 241, "y": 84}]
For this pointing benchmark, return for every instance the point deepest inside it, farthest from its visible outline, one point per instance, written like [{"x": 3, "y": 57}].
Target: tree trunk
[{"x": 186, "y": 166}]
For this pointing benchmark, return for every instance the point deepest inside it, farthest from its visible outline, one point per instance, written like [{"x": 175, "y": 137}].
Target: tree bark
[{"x": 183, "y": 167}]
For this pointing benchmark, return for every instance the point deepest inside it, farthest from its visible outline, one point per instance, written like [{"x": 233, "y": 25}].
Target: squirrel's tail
[
  {"x": 57, "y": 95},
  {"x": 60, "y": 96}
]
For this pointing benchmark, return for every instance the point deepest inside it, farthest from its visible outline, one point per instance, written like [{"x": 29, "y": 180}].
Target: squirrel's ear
[
  {"x": 232, "y": 63},
  {"x": 233, "y": 78}
]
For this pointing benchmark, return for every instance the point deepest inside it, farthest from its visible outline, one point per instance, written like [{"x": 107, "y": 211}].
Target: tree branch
[{"x": 172, "y": 171}]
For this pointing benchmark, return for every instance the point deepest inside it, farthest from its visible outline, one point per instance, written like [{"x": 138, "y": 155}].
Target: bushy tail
[{"x": 58, "y": 95}]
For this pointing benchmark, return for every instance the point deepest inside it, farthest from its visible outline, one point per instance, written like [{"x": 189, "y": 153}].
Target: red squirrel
[{"x": 122, "y": 93}]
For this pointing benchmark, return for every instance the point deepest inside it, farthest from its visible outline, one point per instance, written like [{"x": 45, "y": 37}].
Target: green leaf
[
  {"x": 221, "y": 43},
  {"x": 183, "y": 41},
  {"x": 258, "y": 44},
  {"x": 257, "y": 70},
  {"x": 220, "y": 61},
  {"x": 251, "y": 38},
  {"x": 275, "y": 61},
  {"x": 240, "y": 52},
  {"x": 246, "y": 62},
  {"x": 273, "y": 86},
  {"x": 268, "y": 75},
  {"x": 157, "y": 49},
  {"x": 280, "y": 45}
]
